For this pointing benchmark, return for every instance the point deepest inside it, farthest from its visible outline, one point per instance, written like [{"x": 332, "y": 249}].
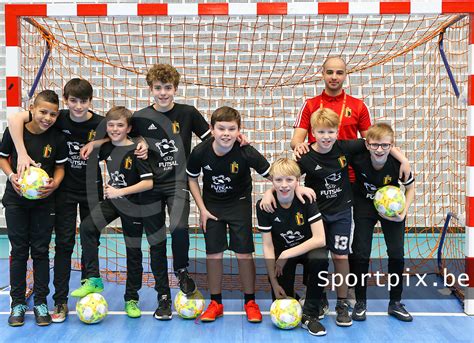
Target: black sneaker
[
  {"x": 323, "y": 306},
  {"x": 313, "y": 325},
  {"x": 163, "y": 312},
  {"x": 342, "y": 314},
  {"x": 397, "y": 309},
  {"x": 42, "y": 315},
  {"x": 17, "y": 315},
  {"x": 360, "y": 311},
  {"x": 186, "y": 284}
]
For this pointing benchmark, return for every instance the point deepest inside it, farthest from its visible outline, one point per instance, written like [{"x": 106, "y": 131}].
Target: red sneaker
[
  {"x": 214, "y": 310},
  {"x": 253, "y": 312}
]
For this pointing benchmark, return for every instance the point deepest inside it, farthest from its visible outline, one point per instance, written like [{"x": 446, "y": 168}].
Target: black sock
[
  {"x": 217, "y": 298},
  {"x": 248, "y": 297},
  {"x": 340, "y": 300}
]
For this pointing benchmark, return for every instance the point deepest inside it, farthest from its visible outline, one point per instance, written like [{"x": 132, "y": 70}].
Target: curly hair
[{"x": 164, "y": 73}]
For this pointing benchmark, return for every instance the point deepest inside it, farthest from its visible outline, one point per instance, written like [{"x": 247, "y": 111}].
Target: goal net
[{"x": 266, "y": 66}]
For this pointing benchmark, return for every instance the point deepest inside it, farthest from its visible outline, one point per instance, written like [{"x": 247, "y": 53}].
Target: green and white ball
[
  {"x": 32, "y": 180},
  {"x": 389, "y": 200},
  {"x": 92, "y": 308},
  {"x": 189, "y": 307},
  {"x": 286, "y": 313}
]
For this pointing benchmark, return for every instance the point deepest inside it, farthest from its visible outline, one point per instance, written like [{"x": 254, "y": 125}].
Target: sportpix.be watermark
[{"x": 391, "y": 280}]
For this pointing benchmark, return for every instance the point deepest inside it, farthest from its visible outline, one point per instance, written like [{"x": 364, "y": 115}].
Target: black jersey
[
  {"x": 77, "y": 135},
  {"x": 328, "y": 174},
  {"x": 289, "y": 226},
  {"x": 47, "y": 149},
  {"x": 123, "y": 166},
  {"x": 369, "y": 180},
  {"x": 169, "y": 136},
  {"x": 226, "y": 178}
]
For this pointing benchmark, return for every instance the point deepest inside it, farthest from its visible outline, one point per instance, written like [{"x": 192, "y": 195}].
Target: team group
[{"x": 151, "y": 169}]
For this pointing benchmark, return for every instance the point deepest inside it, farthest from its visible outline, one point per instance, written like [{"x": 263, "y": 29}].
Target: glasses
[{"x": 375, "y": 146}]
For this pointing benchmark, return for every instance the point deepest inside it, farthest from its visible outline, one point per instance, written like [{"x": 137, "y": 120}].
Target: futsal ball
[
  {"x": 286, "y": 313},
  {"x": 92, "y": 308},
  {"x": 389, "y": 200},
  {"x": 189, "y": 307},
  {"x": 31, "y": 181}
]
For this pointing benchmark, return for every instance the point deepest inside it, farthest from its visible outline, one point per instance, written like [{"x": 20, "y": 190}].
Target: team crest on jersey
[
  {"x": 234, "y": 167},
  {"x": 91, "y": 135},
  {"x": 299, "y": 219},
  {"x": 176, "y": 128},
  {"x": 128, "y": 163},
  {"x": 47, "y": 151},
  {"x": 387, "y": 179},
  {"x": 342, "y": 161},
  {"x": 348, "y": 112}
]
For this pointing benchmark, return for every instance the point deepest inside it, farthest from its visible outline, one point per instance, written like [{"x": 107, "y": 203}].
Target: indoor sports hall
[{"x": 410, "y": 61}]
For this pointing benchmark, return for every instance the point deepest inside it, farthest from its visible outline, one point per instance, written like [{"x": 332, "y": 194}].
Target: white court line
[{"x": 266, "y": 313}]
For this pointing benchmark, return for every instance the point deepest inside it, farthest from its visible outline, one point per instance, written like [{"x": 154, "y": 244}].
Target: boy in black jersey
[
  {"x": 78, "y": 124},
  {"x": 226, "y": 202},
  {"x": 30, "y": 222},
  {"x": 326, "y": 169},
  {"x": 167, "y": 128},
  {"x": 374, "y": 169},
  {"x": 292, "y": 234},
  {"x": 128, "y": 176}
]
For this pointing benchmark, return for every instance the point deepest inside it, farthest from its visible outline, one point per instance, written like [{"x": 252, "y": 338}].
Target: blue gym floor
[{"x": 436, "y": 320}]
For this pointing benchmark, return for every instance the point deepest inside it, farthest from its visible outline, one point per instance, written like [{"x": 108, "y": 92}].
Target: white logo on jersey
[
  {"x": 109, "y": 158},
  {"x": 117, "y": 180},
  {"x": 291, "y": 237},
  {"x": 277, "y": 220},
  {"x": 166, "y": 147},
  {"x": 318, "y": 167},
  {"x": 152, "y": 127},
  {"x": 331, "y": 190},
  {"x": 74, "y": 159},
  {"x": 208, "y": 167},
  {"x": 371, "y": 189},
  {"x": 219, "y": 184},
  {"x": 67, "y": 132},
  {"x": 364, "y": 175}
]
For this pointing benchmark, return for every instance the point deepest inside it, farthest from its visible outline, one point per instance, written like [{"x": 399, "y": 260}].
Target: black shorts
[
  {"x": 237, "y": 216},
  {"x": 339, "y": 230}
]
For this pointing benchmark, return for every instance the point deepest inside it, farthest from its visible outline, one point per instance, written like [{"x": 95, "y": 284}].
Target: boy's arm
[
  {"x": 269, "y": 254},
  {"x": 87, "y": 149},
  {"x": 15, "y": 124},
  {"x": 12, "y": 177},
  {"x": 113, "y": 193},
  {"x": 205, "y": 215},
  {"x": 297, "y": 144},
  {"x": 405, "y": 169},
  {"x": 142, "y": 148}
]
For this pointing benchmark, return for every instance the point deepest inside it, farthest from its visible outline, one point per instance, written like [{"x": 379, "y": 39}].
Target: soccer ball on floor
[
  {"x": 189, "y": 307},
  {"x": 92, "y": 308},
  {"x": 286, "y": 313},
  {"x": 33, "y": 178},
  {"x": 389, "y": 200}
]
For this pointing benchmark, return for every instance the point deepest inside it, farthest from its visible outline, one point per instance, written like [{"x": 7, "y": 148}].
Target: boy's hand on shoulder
[
  {"x": 23, "y": 163},
  {"x": 48, "y": 189},
  {"x": 301, "y": 149},
  {"x": 86, "y": 150},
  {"x": 142, "y": 150},
  {"x": 302, "y": 192},
  {"x": 405, "y": 171},
  {"x": 268, "y": 203},
  {"x": 204, "y": 217},
  {"x": 112, "y": 192},
  {"x": 243, "y": 140}
]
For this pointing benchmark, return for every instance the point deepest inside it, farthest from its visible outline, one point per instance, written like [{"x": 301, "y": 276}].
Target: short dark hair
[
  {"x": 119, "y": 112},
  {"x": 225, "y": 113},
  {"x": 78, "y": 88},
  {"x": 48, "y": 96}
]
